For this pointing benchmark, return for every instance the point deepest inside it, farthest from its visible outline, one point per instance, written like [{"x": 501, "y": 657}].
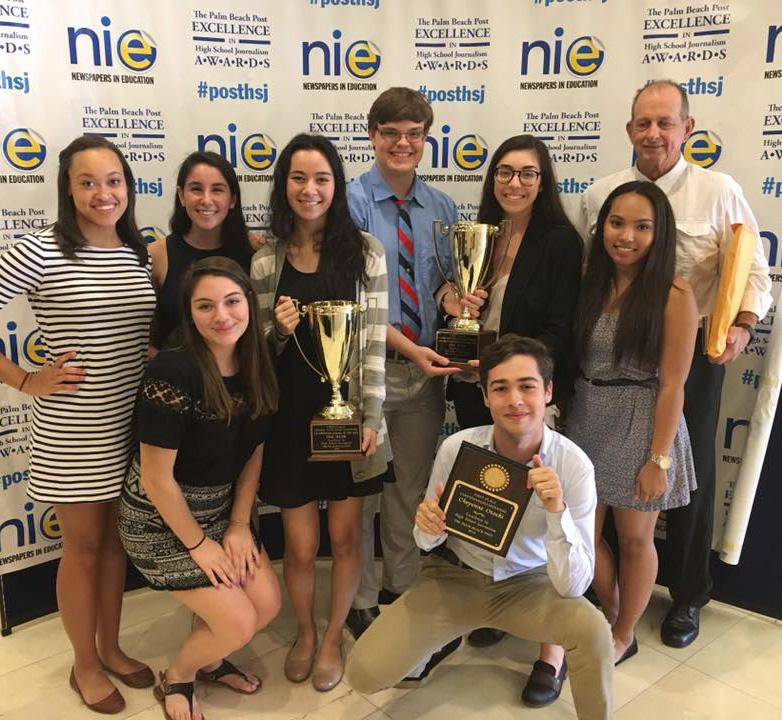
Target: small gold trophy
[
  {"x": 335, "y": 432},
  {"x": 472, "y": 256}
]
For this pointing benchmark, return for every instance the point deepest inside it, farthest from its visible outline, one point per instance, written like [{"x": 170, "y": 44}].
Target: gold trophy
[
  {"x": 335, "y": 432},
  {"x": 472, "y": 248}
]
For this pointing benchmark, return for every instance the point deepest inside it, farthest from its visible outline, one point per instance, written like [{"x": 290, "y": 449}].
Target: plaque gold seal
[{"x": 494, "y": 477}]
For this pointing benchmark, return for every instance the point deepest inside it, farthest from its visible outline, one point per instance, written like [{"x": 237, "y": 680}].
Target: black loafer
[
  {"x": 543, "y": 684},
  {"x": 485, "y": 637},
  {"x": 681, "y": 625},
  {"x": 358, "y": 621}
]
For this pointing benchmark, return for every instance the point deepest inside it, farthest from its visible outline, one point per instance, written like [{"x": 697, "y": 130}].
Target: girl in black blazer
[{"x": 538, "y": 281}]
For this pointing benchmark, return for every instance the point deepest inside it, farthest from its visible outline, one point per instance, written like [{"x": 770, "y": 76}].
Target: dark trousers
[
  {"x": 690, "y": 528},
  {"x": 468, "y": 403}
]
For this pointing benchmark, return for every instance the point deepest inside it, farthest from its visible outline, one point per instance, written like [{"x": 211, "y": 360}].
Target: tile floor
[{"x": 731, "y": 671}]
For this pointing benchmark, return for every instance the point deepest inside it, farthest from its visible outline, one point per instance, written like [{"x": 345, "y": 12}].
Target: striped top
[
  {"x": 100, "y": 306},
  {"x": 265, "y": 271}
]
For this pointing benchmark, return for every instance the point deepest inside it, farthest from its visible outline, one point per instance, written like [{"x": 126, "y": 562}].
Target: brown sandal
[{"x": 186, "y": 689}]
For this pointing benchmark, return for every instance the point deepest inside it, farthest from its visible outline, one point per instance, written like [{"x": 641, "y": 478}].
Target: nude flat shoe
[
  {"x": 298, "y": 669},
  {"x": 326, "y": 675}
]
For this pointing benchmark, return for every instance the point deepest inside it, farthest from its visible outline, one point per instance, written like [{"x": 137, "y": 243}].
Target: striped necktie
[{"x": 408, "y": 297}]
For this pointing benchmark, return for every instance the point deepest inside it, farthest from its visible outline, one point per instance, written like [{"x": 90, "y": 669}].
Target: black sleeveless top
[{"x": 180, "y": 257}]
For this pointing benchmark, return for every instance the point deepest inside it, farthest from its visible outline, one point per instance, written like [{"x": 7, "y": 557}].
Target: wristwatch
[
  {"x": 662, "y": 461},
  {"x": 750, "y": 329}
]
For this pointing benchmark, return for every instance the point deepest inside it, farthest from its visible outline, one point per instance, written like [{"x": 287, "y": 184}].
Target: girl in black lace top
[{"x": 188, "y": 505}]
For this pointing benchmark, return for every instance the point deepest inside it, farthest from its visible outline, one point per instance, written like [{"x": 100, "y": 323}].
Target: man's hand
[
  {"x": 545, "y": 482},
  {"x": 429, "y": 517},
  {"x": 472, "y": 373},
  {"x": 431, "y": 363},
  {"x": 738, "y": 338}
]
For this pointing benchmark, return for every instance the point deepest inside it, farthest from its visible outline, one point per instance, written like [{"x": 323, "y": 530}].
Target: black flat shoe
[
  {"x": 681, "y": 625},
  {"x": 485, "y": 637},
  {"x": 632, "y": 649},
  {"x": 386, "y": 597},
  {"x": 358, "y": 621},
  {"x": 543, "y": 684}
]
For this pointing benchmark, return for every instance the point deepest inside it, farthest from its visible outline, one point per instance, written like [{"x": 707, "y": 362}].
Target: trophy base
[
  {"x": 333, "y": 440},
  {"x": 461, "y": 346}
]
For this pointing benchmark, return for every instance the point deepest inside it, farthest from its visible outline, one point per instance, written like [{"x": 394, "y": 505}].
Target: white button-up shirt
[
  {"x": 705, "y": 204},
  {"x": 563, "y": 542}
]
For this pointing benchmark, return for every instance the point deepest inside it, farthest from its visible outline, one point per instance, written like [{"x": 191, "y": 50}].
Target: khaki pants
[{"x": 447, "y": 601}]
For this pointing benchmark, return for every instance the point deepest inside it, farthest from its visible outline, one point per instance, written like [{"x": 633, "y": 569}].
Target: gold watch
[{"x": 664, "y": 462}]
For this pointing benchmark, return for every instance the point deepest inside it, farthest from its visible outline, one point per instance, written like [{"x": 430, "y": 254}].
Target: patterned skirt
[{"x": 153, "y": 548}]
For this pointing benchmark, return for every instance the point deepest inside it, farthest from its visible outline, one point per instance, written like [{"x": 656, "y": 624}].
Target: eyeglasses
[
  {"x": 527, "y": 175},
  {"x": 394, "y": 135}
]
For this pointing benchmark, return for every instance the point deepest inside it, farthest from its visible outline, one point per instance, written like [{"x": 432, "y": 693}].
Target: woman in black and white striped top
[{"x": 87, "y": 279}]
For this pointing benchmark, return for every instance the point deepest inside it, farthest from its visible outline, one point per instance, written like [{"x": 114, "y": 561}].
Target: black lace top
[{"x": 171, "y": 414}]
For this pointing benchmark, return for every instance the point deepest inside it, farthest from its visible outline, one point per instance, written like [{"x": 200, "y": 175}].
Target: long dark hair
[
  {"x": 343, "y": 246},
  {"x": 234, "y": 236},
  {"x": 67, "y": 233},
  {"x": 256, "y": 372},
  {"x": 642, "y": 307},
  {"x": 547, "y": 207}
]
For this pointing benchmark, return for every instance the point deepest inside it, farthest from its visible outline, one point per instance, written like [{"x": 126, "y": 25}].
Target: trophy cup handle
[
  {"x": 302, "y": 310},
  {"x": 439, "y": 229},
  {"x": 492, "y": 269}
]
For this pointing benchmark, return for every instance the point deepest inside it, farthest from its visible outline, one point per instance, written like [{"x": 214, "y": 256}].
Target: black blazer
[{"x": 542, "y": 292}]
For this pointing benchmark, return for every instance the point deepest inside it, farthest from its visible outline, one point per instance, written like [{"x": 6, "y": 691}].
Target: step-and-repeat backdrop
[{"x": 241, "y": 77}]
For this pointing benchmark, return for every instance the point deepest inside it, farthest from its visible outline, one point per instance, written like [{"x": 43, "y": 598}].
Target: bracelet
[
  {"x": 237, "y": 522},
  {"x": 24, "y": 380},
  {"x": 197, "y": 545}
]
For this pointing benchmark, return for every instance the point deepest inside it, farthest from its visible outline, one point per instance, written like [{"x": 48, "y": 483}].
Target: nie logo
[
  {"x": 702, "y": 148},
  {"x": 361, "y": 58},
  {"x": 24, "y": 149},
  {"x": 257, "y": 151},
  {"x": 582, "y": 58},
  {"x": 469, "y": 152},
  {"x": 135, "y": 49},
  {"x": 152, "y": 233}
]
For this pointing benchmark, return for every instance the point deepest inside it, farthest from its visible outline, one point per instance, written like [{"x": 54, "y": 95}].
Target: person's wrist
[{"x": 750, "y": 329}]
